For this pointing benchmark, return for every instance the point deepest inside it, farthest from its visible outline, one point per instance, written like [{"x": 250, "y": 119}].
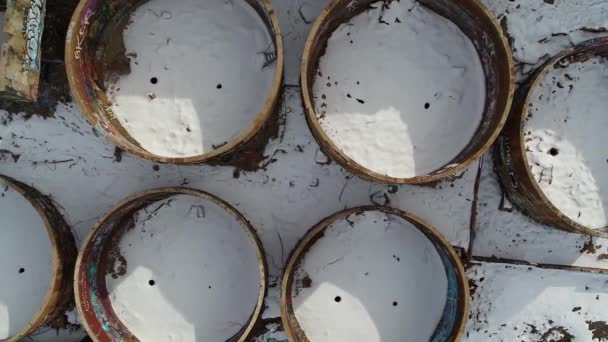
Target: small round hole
[
  {"x": 151, "y": 282},
  {"x": 154, "y": 80},
  {"x": 21, "y": 270},
  {"x": 394, "y": 303},
  {"x": 219, "y": 86},
  {"x": 427, "y": 105},
  {"x": 338, "y": 299},
  {"x": 553, "y": 151}
]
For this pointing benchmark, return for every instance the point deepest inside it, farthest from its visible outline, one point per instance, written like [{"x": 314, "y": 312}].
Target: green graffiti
[{"x": 517, "y": 200}]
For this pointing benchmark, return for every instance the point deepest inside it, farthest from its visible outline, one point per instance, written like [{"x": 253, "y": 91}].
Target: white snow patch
[
  {"x": 507, "y": 233},
  {"x": 541, "y": 29},
  {"x": 564, "y": 134},
  {"x": 198, "y": 79},
  {"x": 295, "y": 28},
  {"x": 72, "y": 317},
  {"x": 275, "y": 333},
  {"x": 401, "y": 97},
  {"x": 374, "y": 277},
  {"x": 523, "y": 303}
]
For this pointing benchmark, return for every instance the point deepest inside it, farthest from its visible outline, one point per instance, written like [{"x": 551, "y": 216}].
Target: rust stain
[
  {"x": 306, "y": 282},
  {"x": 557, "y": 334},
  {"x": 588, "y": 247},
  {"x": 599, "y": 329}
]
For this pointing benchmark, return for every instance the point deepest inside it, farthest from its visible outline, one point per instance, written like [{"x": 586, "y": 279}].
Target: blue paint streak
[{"x": 447, "y": 324}]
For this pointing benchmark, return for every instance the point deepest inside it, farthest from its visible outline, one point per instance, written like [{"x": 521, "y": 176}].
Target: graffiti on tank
[
  {"x": 33, "y": 34},
  {"x": 82, "y": 33},
  {"x": 352, "y": 5}
]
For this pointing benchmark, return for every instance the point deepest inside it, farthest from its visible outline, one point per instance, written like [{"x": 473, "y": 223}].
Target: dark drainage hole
[
  {"x": 154, "y": 80},
  {"x": 219, "y": 86},
  {"x": 427, "y": 105},
  {"x": 394, "y": 303},
  {"x": 553, "y": 151},
  {"x": 151, "y": 282},
  {"x": 338, "y": 299},
  {"x": 21, "y": 270}
]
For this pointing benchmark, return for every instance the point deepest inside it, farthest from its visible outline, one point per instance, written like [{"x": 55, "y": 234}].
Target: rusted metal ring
[
  {"x": 93, "y": 18},
  {"x": 59, "y": 295},
  {"x": 478, "y": 23},
  {"x": 510, "y": 157},
  {"x": 456, "y": 312},
  {"x": 92, "y": 301}
]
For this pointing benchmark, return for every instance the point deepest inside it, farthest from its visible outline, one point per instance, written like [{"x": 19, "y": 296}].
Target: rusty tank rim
[
  {"x": 59, "y": 294},
  {"x": 92, "y": 304},
  {"x": 79, "y": 70},
  {"x": 456, "y": 312},
  {"x": 503, "y": 71},
  {"x": 533, "y": 201}
]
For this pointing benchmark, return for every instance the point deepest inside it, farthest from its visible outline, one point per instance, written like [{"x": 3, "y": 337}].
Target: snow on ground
[
  {"x": 272, "y": 332},
  {"x": 507, "y": 233},
  {"x": 64, "y": 158},
  {"x": 295, "y": 21},
  {"x": 540, "y": 29},
  {"x": 524, "y": 303}
]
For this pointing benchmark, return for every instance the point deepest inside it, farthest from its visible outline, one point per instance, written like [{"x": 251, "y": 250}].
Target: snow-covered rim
[
  {"x": 92, "y": 301},
  {"x": 455, "y": 314},
  {"x": 86, "y": 18},
  {"x": 58, "y": 273},
  {"x": 591, "y": 48},
  {"x": 350, "y": 7}
]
